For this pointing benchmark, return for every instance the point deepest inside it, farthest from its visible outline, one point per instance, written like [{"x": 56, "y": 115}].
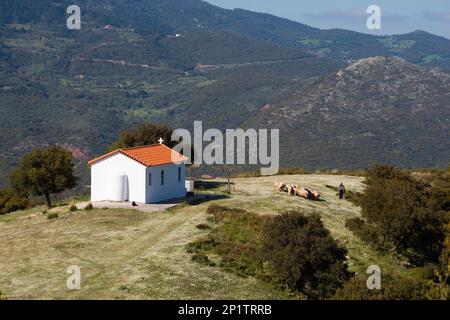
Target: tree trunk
[{"x": 48, "y": 200}]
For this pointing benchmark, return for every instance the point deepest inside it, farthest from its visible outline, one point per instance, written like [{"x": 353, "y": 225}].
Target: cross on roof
[{"x": 161, "y": 140}]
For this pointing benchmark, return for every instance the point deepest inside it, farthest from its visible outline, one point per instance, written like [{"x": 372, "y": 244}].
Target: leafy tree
[
  {"x": 44, "y": 171},
  {"x": 404, "y": 214},
  {"x": 142, "y": 135},
  {"x": 303, "y": 255}
]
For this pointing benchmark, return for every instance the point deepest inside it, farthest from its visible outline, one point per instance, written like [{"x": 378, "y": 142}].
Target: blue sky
[{"x": 398, "y": 16}]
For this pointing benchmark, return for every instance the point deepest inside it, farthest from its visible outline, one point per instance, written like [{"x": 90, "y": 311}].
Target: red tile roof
[{"x": 153, "y": 155}]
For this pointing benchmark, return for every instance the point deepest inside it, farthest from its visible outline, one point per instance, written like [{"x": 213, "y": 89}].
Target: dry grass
[{"x": 125, "y": 254}]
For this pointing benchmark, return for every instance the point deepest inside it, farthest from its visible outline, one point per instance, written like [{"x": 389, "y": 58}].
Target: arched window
[
  {"x": 162, "y": 177},
  {"x": 179, "y": 174}
]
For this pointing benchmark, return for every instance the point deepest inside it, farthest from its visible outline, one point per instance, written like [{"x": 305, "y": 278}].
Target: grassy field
[{"x": 133, "y": 255}]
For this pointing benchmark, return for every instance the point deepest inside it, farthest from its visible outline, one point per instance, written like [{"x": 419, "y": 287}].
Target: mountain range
[{"x": 341, "y": 99}]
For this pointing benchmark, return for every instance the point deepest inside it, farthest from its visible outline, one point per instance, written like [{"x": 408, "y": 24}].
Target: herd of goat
[{"x": 295, "y": 190}]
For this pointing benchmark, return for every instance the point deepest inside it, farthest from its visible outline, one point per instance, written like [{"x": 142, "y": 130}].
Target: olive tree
[{"x": 44, "y": 171}]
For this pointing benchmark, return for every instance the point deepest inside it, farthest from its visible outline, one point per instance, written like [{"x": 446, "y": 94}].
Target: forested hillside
[{"x": 177, "y": 61}]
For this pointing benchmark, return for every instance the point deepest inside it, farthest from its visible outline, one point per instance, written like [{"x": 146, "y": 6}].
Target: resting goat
[{"x": 295, "y": 190}]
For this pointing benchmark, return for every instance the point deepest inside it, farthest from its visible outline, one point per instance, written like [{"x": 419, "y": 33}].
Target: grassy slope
[{"x": 130, "y": 255}]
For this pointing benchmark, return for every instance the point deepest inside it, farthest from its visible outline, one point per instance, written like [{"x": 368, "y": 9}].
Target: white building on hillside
[{"x": 148, "y": 174}]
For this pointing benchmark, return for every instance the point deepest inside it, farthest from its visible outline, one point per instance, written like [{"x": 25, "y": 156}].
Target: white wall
[
  {"x": 171, "y": 189},
  {"x": 102, "y": 173}
]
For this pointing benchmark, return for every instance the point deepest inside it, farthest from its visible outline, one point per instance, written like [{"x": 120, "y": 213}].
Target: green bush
[
  {"x": 397, "y": 288},
  {"x": 354, "y": 224},
  {"x": 364, "y": 231},
  {"x": 404, "y": 213},
  {"x": 303, "y": 255},
  {"x": 235, "y": 238},
  {"x": 11, "y": 201},
  {"x": 89, "y": 206},
  {"x": 16, "y": 203},
  {"x": 73, "y": 208},
  {"x": 203, "y": 259},
  {"x": 353, "y": 197},
  {"x": 52, "y": 216}
]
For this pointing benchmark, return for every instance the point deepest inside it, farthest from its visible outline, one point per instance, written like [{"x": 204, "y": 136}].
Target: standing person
[{"x": 341, "y": 191}]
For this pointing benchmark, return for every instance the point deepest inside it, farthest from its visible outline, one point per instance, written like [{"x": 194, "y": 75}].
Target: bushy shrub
[
  {"x": 364, "y": 231},
  {"x": 73, "y": 208},
  {"x": 404, "y": 214},
  {"x": 89, "y": 206},
  {"x": 203, "y": 259},
  {"x": 303, "y": 255},
  {"x": 11, "y": 201},
  {"x": 397, "y": 288},
  {"x": 52, "y": 216},
  {"x": 235, "y": 238},
  {"x": 16, "y": 203},
  {"x": 354, "y": 224}
]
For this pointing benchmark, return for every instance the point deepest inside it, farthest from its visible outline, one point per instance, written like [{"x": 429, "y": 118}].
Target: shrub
[
  {"x": 203, "y": 259},
  {"x": 203, "y": 226},
  {"x": 364, "y": 231},
  {"x": 401, "y": 210},
  {"x": 354, "y": 224},
  {"x": 201, "y": 245},
  {"x": 52, "y": 216},
  {"x": 11, "y": 201},
  {"x": 16, "y": 203},
  {"x": 397, "y": 288},
  {"x": 303, "y": 255},
  {"x": 235, "y": 238},
  {"x": 89, "y": 206},
  {"x": 353, "y": 197},
  {"x": 73, "y": 208}
]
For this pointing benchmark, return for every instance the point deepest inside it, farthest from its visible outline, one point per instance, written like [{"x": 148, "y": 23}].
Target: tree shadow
[
  {"x": 208, "y": 185},
  {"x": 197, "y": 199}
]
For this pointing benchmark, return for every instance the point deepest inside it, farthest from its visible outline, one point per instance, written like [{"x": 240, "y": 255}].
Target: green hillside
[{"x": 81, "y": 88}]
